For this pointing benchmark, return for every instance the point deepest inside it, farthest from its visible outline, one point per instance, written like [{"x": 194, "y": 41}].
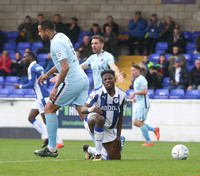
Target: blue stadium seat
[
  {"x": 41, "y": 63},
  {"x": 165, "y": 81},
  {"x": 9, "y": 88},
  {"x": 195, "y": 34},
  {"x": 151, "y": 93},
  {"x": 36, "y": 45},
  {"x": 192, "y": 94},
  {"x": 177, "y": 94},
  {"x": 89, "y": 70},
  {"x": 11, "y": 80},
  {"x": 9, "y": 46},
  {"x": 161, "y": 47},
  {"x": 82, "y": 34},
  {"x": 190, "y": 47},
  {"x": 42, "y": 57},
  {"x": 154, "y": 57},
  {"x": 187, "y": 34},
  {"x": 129, "y": 92},
  {"x": 1, "y": 81},
  {"x": 161, "y": 94},
  {"x": 29, "y": 93},
  {"x": 77, "y": 45},
  {"x": 167, "y": 55},
  {"x": 12, "y": 35},
  {"x": 189, "y": 66},
  {"x": 17, "y": 93},
  {"x": 196, "y": 56},
  {"x": 23, "y": 45},
  {"x": 5, "y": 35},
  {"x": 4, "y": 93}
]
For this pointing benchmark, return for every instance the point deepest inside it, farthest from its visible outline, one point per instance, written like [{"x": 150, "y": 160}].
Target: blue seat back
[
  {"x": 42, "y": 57},
  {"x": 192, "y": 94},
  {"x": 151, "y": 93},
  {"x": 11, "y": 80},
  {"x": 9, "y": 46},
  {"x": 17, "y": 93},
  {"x": 161, "y": 94},
  {"x": 23, "y": 45},
  {"x": 129, "y": 92},
  {"x": 4, "y": 93},
  {"x": 165, "y": 81},
  {"x": 36, "y": 45},
  {"x": 154, "y": 57},
  {"x": 177, "y": 94},
  {"x": 12, "y": 34},
  {"x": 187, "y": 34}
]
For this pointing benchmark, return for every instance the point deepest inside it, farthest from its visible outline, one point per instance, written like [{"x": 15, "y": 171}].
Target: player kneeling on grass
[{"x": 105, "y": 106}]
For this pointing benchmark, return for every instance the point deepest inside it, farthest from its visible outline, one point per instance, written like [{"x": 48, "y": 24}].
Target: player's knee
[{"x": 100, "y": 120}]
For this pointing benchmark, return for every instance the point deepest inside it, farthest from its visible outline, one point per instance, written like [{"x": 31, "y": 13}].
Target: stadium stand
[
  {"x": 11, "y": 80},
  {"x": 177, "y": 94},
  {"x": 16, "y": 93},
  {"x": 161, "y": 94},
  {"x": 192, "y": 94}
]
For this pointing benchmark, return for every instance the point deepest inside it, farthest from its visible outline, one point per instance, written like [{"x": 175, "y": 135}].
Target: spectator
[
  {"x": 59, "y": 26},
  {"x": 176, "y": 54},
  {"x": 48, "y": 63},
  {"x": 154, "y": 79},
  {"x": 110, "y": 21},
  {"x": 73, "y": 30},
  {"x": 25, "y": 31},
  {"x": 178, "y": 76},
  {"x": 85, "y": 48},
  {"x": 137, "y": 28},
  {"x": 5, "y": 64},
  {"x": 111, "y": 42},
  {"x": 167, "y": 29},
  {"x": 153, "y": 33},
  {"x": 145, "y": 64},
  {"x": 176, "y": 39},
  {"x": 162, "y": 66},
  {"x": 35, "y": 32},
  {"x": 194, "y": 76},
  {"x": 95, "y": 30},
  {"x": 197, "y": 44},
  {"x": 78, "y": 57}
]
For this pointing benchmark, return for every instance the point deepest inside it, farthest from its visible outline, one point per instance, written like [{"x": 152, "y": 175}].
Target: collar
[
  {"x": 32, "y": 63},
  {"x": 53, "y": 35},
  {"x": 105, "y": 91}
]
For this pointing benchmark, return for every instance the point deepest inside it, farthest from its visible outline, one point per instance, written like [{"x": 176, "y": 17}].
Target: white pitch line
[{"x": 29, "y": 161}]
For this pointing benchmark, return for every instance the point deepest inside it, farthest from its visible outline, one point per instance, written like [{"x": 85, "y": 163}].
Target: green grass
[{"x": 17, "y": 158}]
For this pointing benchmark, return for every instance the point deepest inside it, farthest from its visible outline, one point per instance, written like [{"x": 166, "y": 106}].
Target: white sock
[
  {"x": 58, "y": 140},
  {"x": 98, "y": 135},
  {"x": 52, "y": 149},
  {"x": 92, "y": 150},
  {"x": 38, "y": 126}
]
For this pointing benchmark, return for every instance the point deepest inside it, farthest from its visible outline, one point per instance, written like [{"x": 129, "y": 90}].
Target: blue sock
[
  {"x": 52, "y": 126},
  {"x": 150, "y": 128},
  {"x": 145, "y": 133}
]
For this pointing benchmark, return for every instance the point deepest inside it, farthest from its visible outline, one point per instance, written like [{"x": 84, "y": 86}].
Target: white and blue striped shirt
[{"x": 111, "y": 106}]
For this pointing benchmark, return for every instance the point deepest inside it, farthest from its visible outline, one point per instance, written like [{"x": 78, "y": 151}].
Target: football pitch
[{"x": 17, "y": 158}]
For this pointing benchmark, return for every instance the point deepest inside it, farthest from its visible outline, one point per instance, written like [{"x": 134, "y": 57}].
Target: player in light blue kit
[
  {"x": 142, "y": 105},
  {"x": 71, "y": 86},
  {"x": 105, "y": 106},
  {"x": 101, "y": 60},
  {"x": 42, "y": 96}
]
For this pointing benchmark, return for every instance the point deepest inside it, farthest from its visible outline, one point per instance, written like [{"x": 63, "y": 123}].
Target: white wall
[{"x": 179, "y": 120}]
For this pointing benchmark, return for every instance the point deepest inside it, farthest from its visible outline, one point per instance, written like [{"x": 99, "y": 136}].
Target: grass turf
[{"x": 17, "y": 158}]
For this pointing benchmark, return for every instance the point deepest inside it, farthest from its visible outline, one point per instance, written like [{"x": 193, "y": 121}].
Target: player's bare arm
[
  {"x": 119, "y": 128},
  {"x": 88, "y": 109},
  {"x": 84, "y": 66},
  {"x": 117, "y": 72},
  {"x": 63, "y": 72}
]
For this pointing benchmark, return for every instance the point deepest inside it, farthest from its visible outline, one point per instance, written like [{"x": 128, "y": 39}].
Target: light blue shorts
[
  {"x": 140, "y": 113},
  {"x": 75, "y": 93}
]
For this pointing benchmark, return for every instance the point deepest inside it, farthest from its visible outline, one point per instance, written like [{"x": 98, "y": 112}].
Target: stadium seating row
[{"x": 174, "y": 94}]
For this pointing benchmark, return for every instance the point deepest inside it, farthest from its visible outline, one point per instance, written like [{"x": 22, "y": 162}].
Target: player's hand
[
  {"x": 131, "y": 96},
  {"x": 134, "y": 100},
  {"x": 120, "y": 77},
  {"x": 118, "y": 143},
  {"x": 42, "y": 78},
  {"x": 53, "y": 93},
  {"x": 97, "y": 110},
  {"x": 16, "y": 86},
  {"x": 55, "y": 78}
]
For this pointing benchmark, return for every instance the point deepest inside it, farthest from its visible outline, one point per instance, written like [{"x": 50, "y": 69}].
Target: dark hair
[
  {"x": 18, "y": 53},
  {"x": 27, "y": 16},
  {"x": 109, "y": 16},
  {"x": 101, "y": 39},
  {"x": 74, "y": 18},
  {"x": 162, "y": 54},
  {"x": 95, "y": 24},
  {"x": 137, "y": 67},
  {"x": 57, "y": 14},
  {"x": 106, "y": 72},
  {"x": 47, "y": 24},
  {"x": 32, "y": 54},
  {"x": 41, "y": 14}
]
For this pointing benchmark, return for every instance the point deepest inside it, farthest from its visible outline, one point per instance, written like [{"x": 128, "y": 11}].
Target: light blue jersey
[
  {"x": 141, "y": 83},
  {"x": 34, "y": 72},
  {"x": 98, "y": 64},
  {"x": 112, "y": 106},
  {"x": 61, "y": 48}
]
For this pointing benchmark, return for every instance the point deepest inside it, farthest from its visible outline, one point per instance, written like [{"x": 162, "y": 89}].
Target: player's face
[
  {"x": 135, "y": 72},
  {"x": 25, "y": 59},
  {"x": 42, "y": 33},
  {"x": 108, "y": 81},
  {"x": 96, "y": 46}
]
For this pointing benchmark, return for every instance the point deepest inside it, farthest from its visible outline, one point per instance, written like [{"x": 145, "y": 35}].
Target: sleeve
[
  {"x": 131, "y": 25},
  {"x": 32, "y": 79},
  {"x": 60, "y": 50},
  {"x": 88, "y": 61},
  {"x": 92, "y": 98},
  {"x": 144, "y": 84},
  {"x": 110, "y": 58}
]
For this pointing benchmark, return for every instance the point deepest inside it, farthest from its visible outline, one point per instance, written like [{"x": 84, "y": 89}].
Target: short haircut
[
  {"x": 47, "y": 24},
  {"x": 137, "y": 67},
  {"x": 18, "y": 53},
  {"x": 162, "y": 54},
  {"x": 101, "y": 39},
  {"x": 32, "y": 54},
  {"x": 106, "y": 72},
  {"x": 41, "y": 14},
  {"x": 57, "y": 14}
]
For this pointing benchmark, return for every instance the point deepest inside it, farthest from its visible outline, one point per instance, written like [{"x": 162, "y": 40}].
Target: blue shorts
[
  {"x": 75, "y": 93},
  {"x": 140, "y": 113}
]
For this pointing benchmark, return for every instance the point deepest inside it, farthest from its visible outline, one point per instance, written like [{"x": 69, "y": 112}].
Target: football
[{"x": 180, "y": 152}]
